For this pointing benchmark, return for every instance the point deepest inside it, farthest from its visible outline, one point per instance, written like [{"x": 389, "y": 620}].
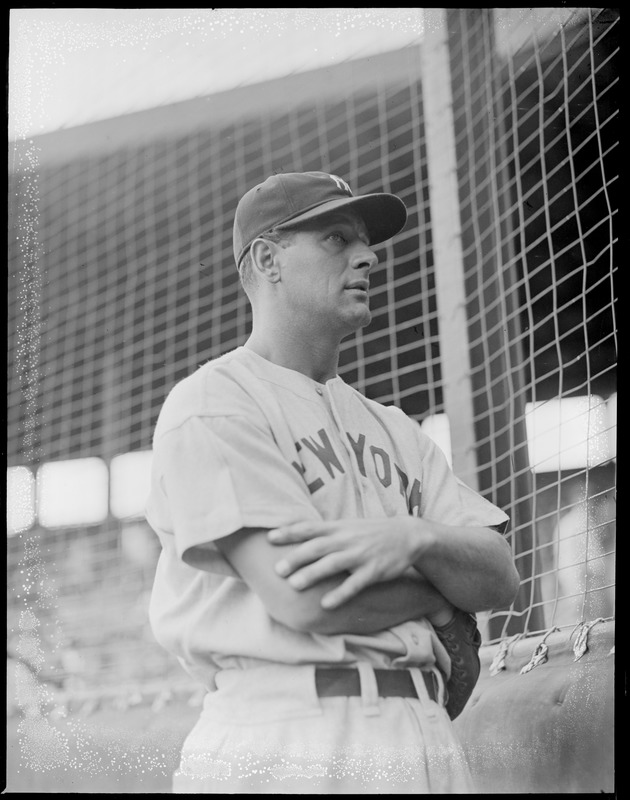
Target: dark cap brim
[{"x": 384, "y": 215}]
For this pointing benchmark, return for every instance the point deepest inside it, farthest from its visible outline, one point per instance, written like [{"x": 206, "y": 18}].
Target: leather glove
[{"x": 462, "y": 641}]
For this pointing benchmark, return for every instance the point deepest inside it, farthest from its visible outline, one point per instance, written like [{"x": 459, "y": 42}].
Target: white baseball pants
[{"x": 265, "y": 731}]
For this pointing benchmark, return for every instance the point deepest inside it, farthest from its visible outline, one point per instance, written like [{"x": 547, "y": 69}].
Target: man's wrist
[{"x": 422, "y": 539}]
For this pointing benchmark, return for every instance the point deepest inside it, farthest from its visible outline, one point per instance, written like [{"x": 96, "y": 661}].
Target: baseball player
[{"x": 321, "y": 564}]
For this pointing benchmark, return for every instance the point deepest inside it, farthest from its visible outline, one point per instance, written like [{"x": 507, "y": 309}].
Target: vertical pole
[
  {"x": 484, "y": 386},
  {"x": 447, "y": 247}
]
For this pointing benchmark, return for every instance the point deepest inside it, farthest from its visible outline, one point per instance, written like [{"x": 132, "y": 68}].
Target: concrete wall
[{"x": 551, "y": 729}]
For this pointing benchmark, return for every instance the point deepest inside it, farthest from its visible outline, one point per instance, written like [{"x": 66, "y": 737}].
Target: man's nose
[{"x": 364, "y": 258}]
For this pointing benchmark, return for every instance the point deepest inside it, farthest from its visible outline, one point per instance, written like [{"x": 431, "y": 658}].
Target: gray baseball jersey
[{"x": 245, "y": 443}]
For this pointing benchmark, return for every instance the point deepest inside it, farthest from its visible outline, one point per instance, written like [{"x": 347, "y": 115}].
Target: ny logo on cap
[{"x": 341, "y": 184}]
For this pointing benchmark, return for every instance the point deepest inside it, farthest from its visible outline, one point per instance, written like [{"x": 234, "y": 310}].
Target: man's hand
[{"x": 370, "y": 550}]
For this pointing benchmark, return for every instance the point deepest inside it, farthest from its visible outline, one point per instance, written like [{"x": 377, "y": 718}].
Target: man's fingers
[
  {"x": 326, "y": 567},
  {"x": 353, "y": 584},
  {"x": 298, "y": 532},
  {"x": 305, "y": 553}
]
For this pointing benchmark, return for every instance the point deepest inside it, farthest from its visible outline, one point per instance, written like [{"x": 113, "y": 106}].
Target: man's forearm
[
  {"x": 380, "y": 606},
  {"x": 472, "y": 567}
]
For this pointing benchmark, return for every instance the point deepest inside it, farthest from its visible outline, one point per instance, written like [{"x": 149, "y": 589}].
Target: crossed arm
[{"x": 364, "y": 575}]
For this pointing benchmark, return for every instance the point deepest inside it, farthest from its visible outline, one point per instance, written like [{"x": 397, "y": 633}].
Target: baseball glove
[{"x": 462, "y": 641}]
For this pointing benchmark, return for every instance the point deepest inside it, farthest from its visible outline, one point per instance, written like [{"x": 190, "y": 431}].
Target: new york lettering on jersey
[{"x": 373, "y": 462}]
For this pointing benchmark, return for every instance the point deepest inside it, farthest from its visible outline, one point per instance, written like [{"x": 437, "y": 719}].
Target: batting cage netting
[{"x": 494, "y": 314}]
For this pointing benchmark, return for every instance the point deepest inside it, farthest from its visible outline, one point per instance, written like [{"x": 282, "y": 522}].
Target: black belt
[{"x": 344, "y": 682}]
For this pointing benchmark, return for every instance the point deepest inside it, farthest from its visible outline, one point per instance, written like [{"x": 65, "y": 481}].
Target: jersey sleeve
[
  {"x": 447, "y": 499},
  {"x": 216, "y": 475}
]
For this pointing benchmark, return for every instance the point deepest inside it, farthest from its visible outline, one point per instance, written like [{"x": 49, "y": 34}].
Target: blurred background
[{"x": 133, "y": 133}]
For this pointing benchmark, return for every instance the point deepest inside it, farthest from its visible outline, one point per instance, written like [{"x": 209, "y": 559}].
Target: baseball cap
[{"x": 290, "y": 198}]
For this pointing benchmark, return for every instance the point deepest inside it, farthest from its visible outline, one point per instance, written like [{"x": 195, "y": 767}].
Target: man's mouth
[{"x": 359, "y": 286}]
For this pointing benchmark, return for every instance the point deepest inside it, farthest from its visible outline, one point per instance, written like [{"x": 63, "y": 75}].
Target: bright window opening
[
  {"x": 569, "y": 433},
  {"x": 20, "y": 500},
  {"x": 437, "y": 428},
  {"x": 130, "y": 476},
  {"x": 73, "y": 492}
]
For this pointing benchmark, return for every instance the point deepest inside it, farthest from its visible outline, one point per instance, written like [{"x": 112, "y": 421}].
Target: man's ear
[{"x": 264, "y": 255}]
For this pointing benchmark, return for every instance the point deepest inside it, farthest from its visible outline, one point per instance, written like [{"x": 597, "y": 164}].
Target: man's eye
[{"x": 339, "y": 237}]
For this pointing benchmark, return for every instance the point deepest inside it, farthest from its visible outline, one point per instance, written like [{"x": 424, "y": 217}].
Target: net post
[
  {"x": 447, "y": 249},
  {"x": 484, "y": 385}
]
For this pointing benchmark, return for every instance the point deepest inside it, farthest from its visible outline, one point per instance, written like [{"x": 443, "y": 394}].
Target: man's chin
[{"x": 360, "y": 320}]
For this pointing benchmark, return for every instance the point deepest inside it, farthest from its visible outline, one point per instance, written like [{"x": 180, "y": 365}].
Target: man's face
[{"x": 324, "y": 276}]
